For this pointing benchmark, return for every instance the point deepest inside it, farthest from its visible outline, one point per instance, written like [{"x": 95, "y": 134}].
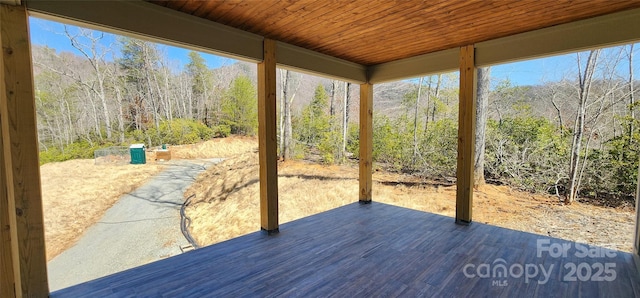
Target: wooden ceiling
[{"x": 371, "y": 32}]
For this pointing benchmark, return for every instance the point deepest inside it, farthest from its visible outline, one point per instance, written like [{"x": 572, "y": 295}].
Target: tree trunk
[
  {"x": 482, "y": 103},
  {"x": 288, "y": 131},
  {"x": 427, "y": 105},
  {"x": 204, "y": 101},
  {"x": 120, "y": 114},
  {"x": 281, "y": 117},
  {"x": 585, "y": 79},
  {"x": 347, "y": 91},
  {"x": 436, "y": 94},
  {"x": 70, "y": 127},
  {"x": 332, "y": 104},
  {"x": 632, "y": 100},
  {"x": 103, "y": 99},
  {"x": 415, "y": 122},
  {"x": 190, "y": 105},
  {"x": 345, "y": 118},
  {"x": 559, "y": 113},
  {"x": 96, "y": 118}
]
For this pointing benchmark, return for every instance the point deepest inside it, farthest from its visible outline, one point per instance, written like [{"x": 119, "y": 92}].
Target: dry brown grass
[
  {"x": 227, "y": 196},
  {"x": 227, "y": 202},
  {"x": 225, "y": 147},
  {"x": 76, "y": 194}
]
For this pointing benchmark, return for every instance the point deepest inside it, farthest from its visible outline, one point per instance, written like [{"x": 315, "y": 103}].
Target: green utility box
[{"x": 138, "y": 156}]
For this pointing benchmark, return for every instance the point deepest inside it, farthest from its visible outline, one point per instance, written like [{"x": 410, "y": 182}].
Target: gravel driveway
[{"x": 142, "y": 227}]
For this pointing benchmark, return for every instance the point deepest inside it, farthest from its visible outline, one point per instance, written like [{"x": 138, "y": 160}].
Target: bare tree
[
  {"x": 281, "y": 114},
  {"x": 332, "y": 96},
  {"x": 415, "y": 121},
  {"x": 346, "y": 107},
  {"x": 95, "y": 55},
  {"x": 482, "y": 102},
  {"x": 585, "y": 79},
  {"x": 553, "y": 97},
  {"x": 288, "y": 94},
  {"x": 436, "y": 96},
  {"x": 632, "y": 100}
]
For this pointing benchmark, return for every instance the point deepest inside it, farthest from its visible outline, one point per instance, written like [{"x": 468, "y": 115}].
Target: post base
[
  {"x": 463, "y": 222},
  {"x": 270, "y": 232}
]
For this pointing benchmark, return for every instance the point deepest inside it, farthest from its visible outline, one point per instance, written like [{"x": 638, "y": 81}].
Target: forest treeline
[
  {"x": 128, "y": 92},
  {"x": 577, "y": 136}
]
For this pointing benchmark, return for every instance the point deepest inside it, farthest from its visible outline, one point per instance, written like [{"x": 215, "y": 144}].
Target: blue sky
[
  {"x": 51, "y": 34},
  {"x": 530, "y": 72}
]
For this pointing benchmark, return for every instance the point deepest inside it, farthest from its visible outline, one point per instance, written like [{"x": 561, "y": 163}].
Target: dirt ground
[
  {"x": 76, "y": 193},
  {"x": 227, "y": 202}
]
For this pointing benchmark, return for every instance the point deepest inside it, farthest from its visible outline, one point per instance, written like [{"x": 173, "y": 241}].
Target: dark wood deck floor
[{"x": 373, "y": 250}]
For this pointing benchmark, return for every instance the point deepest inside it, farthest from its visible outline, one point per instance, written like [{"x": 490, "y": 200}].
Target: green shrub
[
  {"x": 76, "y": 150},
  {"x": 240, "y": 107},
  {"x": 180, "y": 131},
  {"x": 526, "y": 152},
  {"x": 221, "y": 131},
  {"x": 439, "y": 149},
  {"x": 330, "y": 144}
]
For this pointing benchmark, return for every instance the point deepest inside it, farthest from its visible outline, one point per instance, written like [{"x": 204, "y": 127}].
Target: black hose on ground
[{"x": 185, "y": 222}]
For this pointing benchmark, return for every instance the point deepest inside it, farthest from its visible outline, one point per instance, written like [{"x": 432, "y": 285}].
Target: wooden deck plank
[{"x": 362, "y": 251}]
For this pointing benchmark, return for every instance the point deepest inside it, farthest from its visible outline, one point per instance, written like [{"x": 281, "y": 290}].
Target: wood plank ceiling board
[
  {"x": 371, "y": 32},
  {"x": 205, "y": 8},
  {"x": 192, "y": 7}
]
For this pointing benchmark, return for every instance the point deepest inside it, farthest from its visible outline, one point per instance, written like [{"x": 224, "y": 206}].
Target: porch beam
[
  {"x": 466, "y": 135},
  {"x": 267, "y": 139},
  {"x": 21, "y": 188},
  {"x": 422, "y": 65},
  {"x": 597, "y": 32},
  {"x": 160, "y": 25},
  {"x": 366, "y": 142},
  {"x": 306, "y": 61}
]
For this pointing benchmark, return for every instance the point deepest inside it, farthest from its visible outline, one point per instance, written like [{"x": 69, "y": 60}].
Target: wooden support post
[
  {"x": 21, "y": 170},
  {"x": 466, "y": 135},
  {"x": 366, "y": 142},
  {"x": 7, "y": 280},
  {"x": 267, "y": 139}
]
